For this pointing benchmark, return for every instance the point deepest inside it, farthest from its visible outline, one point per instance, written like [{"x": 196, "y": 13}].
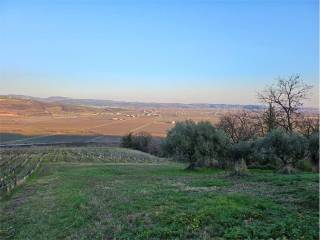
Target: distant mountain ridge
[{"x": 125, "y": 104}]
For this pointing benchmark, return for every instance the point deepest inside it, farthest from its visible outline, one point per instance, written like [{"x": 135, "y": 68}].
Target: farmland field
[
  {"x": 114, "y": 193},
  {"x": 34, "y": 118}
]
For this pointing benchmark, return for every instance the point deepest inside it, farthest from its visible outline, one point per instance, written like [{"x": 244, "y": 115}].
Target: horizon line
[{"x": 148, "y": 102}]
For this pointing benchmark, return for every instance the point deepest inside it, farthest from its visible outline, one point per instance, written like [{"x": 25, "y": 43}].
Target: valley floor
[{"x": 70, "y": 200}]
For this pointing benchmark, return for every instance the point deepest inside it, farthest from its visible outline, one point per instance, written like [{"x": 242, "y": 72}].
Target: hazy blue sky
[{"x": 165, "y": 51}]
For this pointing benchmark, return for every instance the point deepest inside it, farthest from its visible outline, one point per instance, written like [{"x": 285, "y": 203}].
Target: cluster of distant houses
[{"x": 148, "y": 113}]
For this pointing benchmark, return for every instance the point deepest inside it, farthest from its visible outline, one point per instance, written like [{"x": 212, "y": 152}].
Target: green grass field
[{"x": 111, "y": 193}]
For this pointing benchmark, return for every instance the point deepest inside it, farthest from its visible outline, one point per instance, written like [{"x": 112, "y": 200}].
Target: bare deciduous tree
[
  {"x": 287, "y": 96},
  {"x": 308, "y": 125},
  {"x": 240, "y": 126}
]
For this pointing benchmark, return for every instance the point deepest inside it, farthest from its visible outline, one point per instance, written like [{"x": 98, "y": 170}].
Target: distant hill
[
  {"x": 28, "y": 106},
  {"x": 124, "y": 104}
]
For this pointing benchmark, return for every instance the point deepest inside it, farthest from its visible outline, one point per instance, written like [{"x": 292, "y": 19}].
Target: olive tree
[
  {"x": 287, "y": 148},
  {"x": 199, "y": 144}
]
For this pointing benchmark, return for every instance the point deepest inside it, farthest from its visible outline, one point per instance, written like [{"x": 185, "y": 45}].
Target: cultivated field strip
[
  {"x": 100, "y": 155},
  {"x": 16, "y": 164}
]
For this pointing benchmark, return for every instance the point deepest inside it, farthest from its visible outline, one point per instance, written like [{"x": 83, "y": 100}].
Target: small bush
[{"x": 140, "y": 141}]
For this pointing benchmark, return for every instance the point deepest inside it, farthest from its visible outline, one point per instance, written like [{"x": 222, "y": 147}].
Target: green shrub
[{"x": 140, "y": 141}]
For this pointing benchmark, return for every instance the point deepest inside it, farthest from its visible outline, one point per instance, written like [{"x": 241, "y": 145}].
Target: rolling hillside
[{"x": 29, "y": 107}]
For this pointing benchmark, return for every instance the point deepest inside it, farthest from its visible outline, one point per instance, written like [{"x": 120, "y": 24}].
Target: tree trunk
[
  {"x": 240, "y": 168},
  {"x": 289, "y": 122},
  {"x": 287, "y": 169},
  {"x": 315, "y": 167},
  {"x": 192, "y": 166}
]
